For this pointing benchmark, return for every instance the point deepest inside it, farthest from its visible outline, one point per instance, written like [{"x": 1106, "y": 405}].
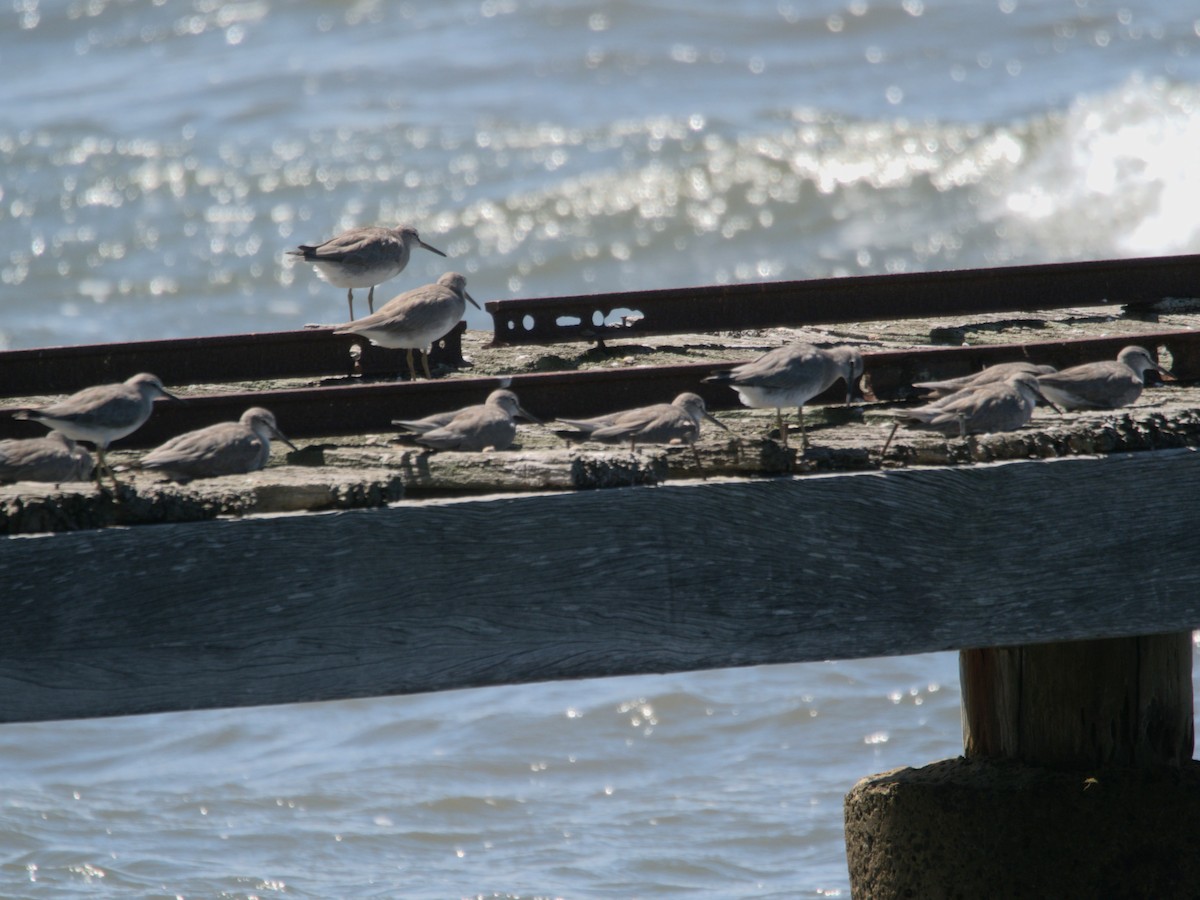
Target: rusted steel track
[
  {"x": 318, "y": 352},
  {"x": 852, "y": 299},
  {"x": 364, "y": 408},
  {"x": 208, "y": 360}
]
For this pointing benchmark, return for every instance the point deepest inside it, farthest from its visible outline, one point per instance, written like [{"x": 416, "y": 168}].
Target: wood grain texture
[
  {"x": 1166, "y": 722},
  {"x": 989, "y": 678},
  {"x": 1116, "y": 701},
  {"x": 424, "y": 597}
]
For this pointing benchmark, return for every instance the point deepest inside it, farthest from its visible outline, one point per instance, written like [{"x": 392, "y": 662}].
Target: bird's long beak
[
  {"x": 171, "y": 396},
  {"x": 1164, "y": 374},
  {"x": 854, "y": 390},
  {"x": 472, "y": 299},
  {"x": 431, "y": 249},
  {"x": 1042, "y": 397},
  {"x": 716, "y": 421},
  {"x": 529, "y": 418},
  {"x": 280, "y": 435}
]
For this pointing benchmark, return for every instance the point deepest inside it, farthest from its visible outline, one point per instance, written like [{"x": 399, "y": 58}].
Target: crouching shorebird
[
  {"x": 415, "y": 319},
  {"x": 998, "y": 372},
  {"x": 363, "y": 257},
  {"x": 488, "y": 424},
  {"x": 54, "y": 457},
  {"x": 102, "y": 414},
  {"x": 662, "y": 423},
  {"x": 791, "y": 376},
  {"x": 227, "y": 448},
  {"x": 994, "y": 406},
  {"x": 1107, "y": 384}
]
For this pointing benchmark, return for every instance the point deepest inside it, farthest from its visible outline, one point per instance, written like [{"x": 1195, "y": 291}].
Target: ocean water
[{"x": 157, "y": 159}]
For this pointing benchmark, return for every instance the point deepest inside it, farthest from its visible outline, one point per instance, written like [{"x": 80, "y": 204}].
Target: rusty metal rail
[
  {"x": 318, "y": 352},
  {"x": 852, "y": 299},
  {"x": 208, "y": 360},
  {"x": 365, "y": 408}
]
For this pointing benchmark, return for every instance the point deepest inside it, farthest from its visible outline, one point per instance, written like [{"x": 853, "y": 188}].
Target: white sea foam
[{"x": 1114, "y": 175}]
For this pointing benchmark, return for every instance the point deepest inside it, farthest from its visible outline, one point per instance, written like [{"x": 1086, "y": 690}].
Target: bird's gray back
[
  {"x": 423, "y": 303},
  {"x": 1107, "y": 385},
  {"x": 51, "y": 458},
  {"x": 223, "y": 449},
  {"x": 102, "y": 413},
  {"x": 781, "y": 368},
  {"x": 437, "y": 420},
  {"x": 996, "y": 406},
  {"x": 367, "y": 246},
  {"x": 474, "y": 428},
  {"x": 998, "y": 372},
  {"x": 792, "y": 374},
  {"x": 660, "y": 423}
]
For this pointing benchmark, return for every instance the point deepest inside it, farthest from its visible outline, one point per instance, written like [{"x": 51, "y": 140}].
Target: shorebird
[
  {"x": 998, "y": 372},
  {"x": 415, "y": 319},
  {"x": 488, "y": 424},
  {"x": 102, "y": 414},
  {"x": 995, "y": 406},
  {"x": 791, "y": 376},
  {"x": 54, "y": 457},
  {"x": 363, "y": 257},
  {"x": 227, "y": 448},
  {"x": 662, "y": 423},
  {"x": 1102, "y": 385}
]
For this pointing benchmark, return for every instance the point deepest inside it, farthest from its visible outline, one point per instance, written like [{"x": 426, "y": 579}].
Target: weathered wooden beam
[{"x": 434, "y": 596}]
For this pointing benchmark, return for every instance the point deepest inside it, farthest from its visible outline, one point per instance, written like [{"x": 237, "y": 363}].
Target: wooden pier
[{"x": 1070, "y": 586}]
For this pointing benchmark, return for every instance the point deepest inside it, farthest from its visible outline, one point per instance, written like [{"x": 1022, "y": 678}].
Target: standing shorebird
[
  {"x": 363, "y": 257},
  {"x": 102, "y": 414},
  {"x": 994, "y": 406},
  {"x": 227, "y": 448},
  {"x": 791, "y": 376},
  {"x": 54, "y": 457},
  {"x": 1108, "y": 384},
  {"x": 488, "y": 424},
  {"x": 998, "y": 372},
  {"x": 416, "y": 318},
  {"x": 662, "y": 423}
]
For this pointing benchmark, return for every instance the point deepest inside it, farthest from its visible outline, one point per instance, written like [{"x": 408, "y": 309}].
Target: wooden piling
[
  {"x": 1124, "y": 701},
  {"x": 1077, "y": 781}
]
